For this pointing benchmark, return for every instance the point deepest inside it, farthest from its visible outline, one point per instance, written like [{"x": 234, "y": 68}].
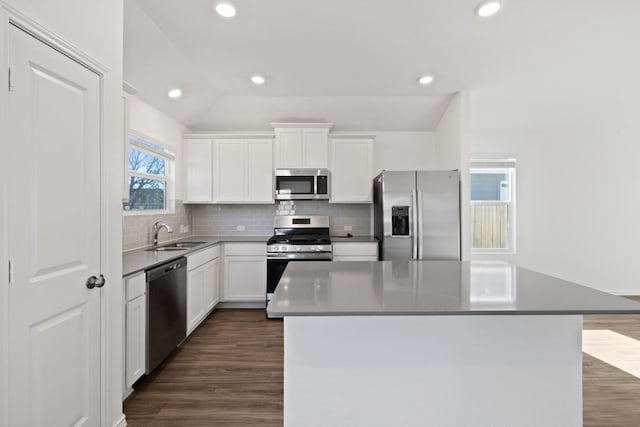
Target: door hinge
[
  {"x": 11, "y": 271},
  {"x": 10, "y": 87}
]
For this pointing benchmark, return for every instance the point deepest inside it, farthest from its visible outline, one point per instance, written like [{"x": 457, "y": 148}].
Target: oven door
[
  {"x": 277, "y": 263},
  {"x": 275, "y": 268}
]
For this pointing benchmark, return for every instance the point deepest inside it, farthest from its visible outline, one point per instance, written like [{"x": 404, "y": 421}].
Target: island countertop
[{"x": 433, "y": 288}]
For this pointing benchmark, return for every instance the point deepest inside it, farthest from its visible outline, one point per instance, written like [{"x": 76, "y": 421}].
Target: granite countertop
[
  {"x": 138, "y": 260},
  {"x": 433, "y": 288}
]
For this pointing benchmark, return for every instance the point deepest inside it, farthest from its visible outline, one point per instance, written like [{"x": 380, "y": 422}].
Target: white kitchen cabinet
[
  {"x": 351, "y": 169},
  {"x": 288, "y": 148},
  {"x": 243, "y": 170},
  {"x": 259, "y": 171},
  {"x": 135, "y": 328},
  {"x": 203, "y": 282},
  {"x": 230, "y": 170},
  {"x": 245, "y": 272},
  {"x": 355, "y": 251},
  {"x": 199, "y": 170},
  {"x": 301, "y": 145}
]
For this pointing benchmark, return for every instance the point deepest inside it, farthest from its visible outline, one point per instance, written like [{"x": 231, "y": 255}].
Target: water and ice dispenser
[{"x": 399, "y": 220}]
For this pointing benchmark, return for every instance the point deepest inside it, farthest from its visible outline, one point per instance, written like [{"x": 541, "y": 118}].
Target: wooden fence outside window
[{"x": 490, "y": 226}]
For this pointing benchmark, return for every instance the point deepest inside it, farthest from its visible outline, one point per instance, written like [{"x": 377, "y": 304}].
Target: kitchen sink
[
  {"x": 183, "y": 245},
  {"x": 169, "y": 248},
  {"x": 178, "y": 246}
]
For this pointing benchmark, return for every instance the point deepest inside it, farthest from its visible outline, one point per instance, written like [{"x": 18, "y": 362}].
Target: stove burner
[{"x": 300, "y": 239}]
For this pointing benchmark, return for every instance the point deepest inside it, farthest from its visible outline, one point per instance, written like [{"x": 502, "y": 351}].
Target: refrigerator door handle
[
  {"x": 420, "y": 227},
  {"x": 414, "y": 227}
]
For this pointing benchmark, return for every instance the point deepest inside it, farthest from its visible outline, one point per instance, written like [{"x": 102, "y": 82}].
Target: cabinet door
[
  {"x": 199, "y": 173},
  {"x": 135, "y": 350},
  {"x": 315, "y": 148},
  {"x": 245, "y": 278},
  {"x": 196, "y": 280},
  {"x": 288, "y": 152},
  {"x": 351, "y": 170},
  {"x": 259, "y": 167},
  {"x": 230, "y": 170},
  {"x": 211, "y": 284}
]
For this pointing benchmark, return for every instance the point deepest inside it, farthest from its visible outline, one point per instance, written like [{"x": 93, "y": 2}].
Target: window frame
[
  {"x": 160, "y": 150},
  {"x": 497, "y": 162}
]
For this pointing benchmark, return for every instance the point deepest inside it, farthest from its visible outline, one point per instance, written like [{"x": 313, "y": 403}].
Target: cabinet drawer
[
  {"x": 136, "y": 286},
  {"x": 355, "y": 249},
  {"x": 245, "y": 248},
  {"x": 201, "y": 257}
]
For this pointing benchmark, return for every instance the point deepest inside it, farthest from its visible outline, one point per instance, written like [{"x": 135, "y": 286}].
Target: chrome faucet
[{"x": 156, "y": 229}]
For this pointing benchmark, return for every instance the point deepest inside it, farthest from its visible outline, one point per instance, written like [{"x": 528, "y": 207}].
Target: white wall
[
  {"x": 452, "y": 152},
  {"x": 94, "y": 29},
  {"x": 147, "y": 120},
  {"x": 403, "y": 151},
  {"x": 578, "y": 204}
]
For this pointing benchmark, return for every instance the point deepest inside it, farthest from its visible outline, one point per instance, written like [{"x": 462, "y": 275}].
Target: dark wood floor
[{"x": 229, "y": 373}]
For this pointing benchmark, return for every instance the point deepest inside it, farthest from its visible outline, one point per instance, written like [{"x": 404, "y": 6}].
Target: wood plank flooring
[{"x": 229, "y": 373}]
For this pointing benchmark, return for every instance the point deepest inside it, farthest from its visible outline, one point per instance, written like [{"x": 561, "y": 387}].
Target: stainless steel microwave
[{"x": 302, "y": 184}]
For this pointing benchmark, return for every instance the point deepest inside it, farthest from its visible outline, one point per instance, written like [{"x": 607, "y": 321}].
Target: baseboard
[
  {"x": 242, "y": 304},
  {"x": 625, "y": 293}
]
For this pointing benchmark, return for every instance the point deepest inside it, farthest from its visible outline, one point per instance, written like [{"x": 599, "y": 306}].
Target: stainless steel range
[{"x": 296, "y": 238}]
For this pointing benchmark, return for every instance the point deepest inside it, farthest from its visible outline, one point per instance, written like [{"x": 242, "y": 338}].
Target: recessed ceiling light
[
  {"x": 488, "y": 8},
  {"x": 226, "y": 10},
  {"x": 175, "y": 93},
  {"x": 425, "y": 80},
  {"x": 257, "y": 79}
]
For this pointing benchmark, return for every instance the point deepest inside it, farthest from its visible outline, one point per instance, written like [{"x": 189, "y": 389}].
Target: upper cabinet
[
  {"x": 198, "y": 170},
  {"x": 243, "y": 171},
  {"x": 229, "y": 170},
  {"x": 351, "y": 168},
  {"x": 301, "y": 145}
]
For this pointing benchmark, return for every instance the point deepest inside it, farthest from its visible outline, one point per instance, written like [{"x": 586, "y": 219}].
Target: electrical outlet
[
  {"x": 181, "y": 228},
  {"x": 186, "y": 228},
  {"x": 239, "y": 227},
  {"x": 348, "y": 228}
]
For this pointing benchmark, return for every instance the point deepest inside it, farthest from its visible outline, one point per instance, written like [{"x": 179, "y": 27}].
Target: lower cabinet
[
  {"x": 135, "y": 329},
  {"x": 245, "y": 272},
  {"x": 355, "y": 251},
  {"x": 203, "y": 277}
]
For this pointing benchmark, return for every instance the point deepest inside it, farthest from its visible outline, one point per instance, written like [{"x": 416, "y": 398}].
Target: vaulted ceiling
[{"x": 355, "y": 62}]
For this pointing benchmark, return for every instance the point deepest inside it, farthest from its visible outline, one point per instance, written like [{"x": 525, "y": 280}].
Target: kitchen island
[{"x": 437, "y": 343}]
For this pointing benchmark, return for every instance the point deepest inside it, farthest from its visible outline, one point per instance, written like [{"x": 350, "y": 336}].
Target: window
[
  {"x": 492, "y": 205},
  {"x": 149, "y": 177}
]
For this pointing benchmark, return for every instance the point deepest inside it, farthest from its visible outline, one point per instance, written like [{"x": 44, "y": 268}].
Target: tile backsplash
[
  {"x": 230, "y": 220},
  {"x": 238, "y": 220},
  {"x": 136, "y": 229}
]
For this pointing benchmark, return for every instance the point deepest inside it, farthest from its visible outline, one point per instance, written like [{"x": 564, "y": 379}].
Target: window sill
[{"x": 146, "y": 212}]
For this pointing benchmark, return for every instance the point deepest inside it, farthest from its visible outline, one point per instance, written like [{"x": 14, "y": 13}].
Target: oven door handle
[{"x": 326, "y": 256}]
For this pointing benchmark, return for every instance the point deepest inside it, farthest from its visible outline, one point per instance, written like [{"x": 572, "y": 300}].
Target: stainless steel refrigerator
[{"x": 417, "y": 214}]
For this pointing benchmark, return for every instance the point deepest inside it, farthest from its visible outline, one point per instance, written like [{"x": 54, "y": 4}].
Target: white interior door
[{"x": 54, "y": 237}]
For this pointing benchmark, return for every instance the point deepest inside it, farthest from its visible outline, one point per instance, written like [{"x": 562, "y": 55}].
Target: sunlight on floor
[{"x": 613, "y": 348}]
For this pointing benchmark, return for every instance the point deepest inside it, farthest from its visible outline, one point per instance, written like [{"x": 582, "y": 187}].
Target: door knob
[{"x": 94, "y": 282}]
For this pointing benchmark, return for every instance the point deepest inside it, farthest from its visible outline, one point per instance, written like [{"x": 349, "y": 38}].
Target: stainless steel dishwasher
[{"x": 166, "y": 310}]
